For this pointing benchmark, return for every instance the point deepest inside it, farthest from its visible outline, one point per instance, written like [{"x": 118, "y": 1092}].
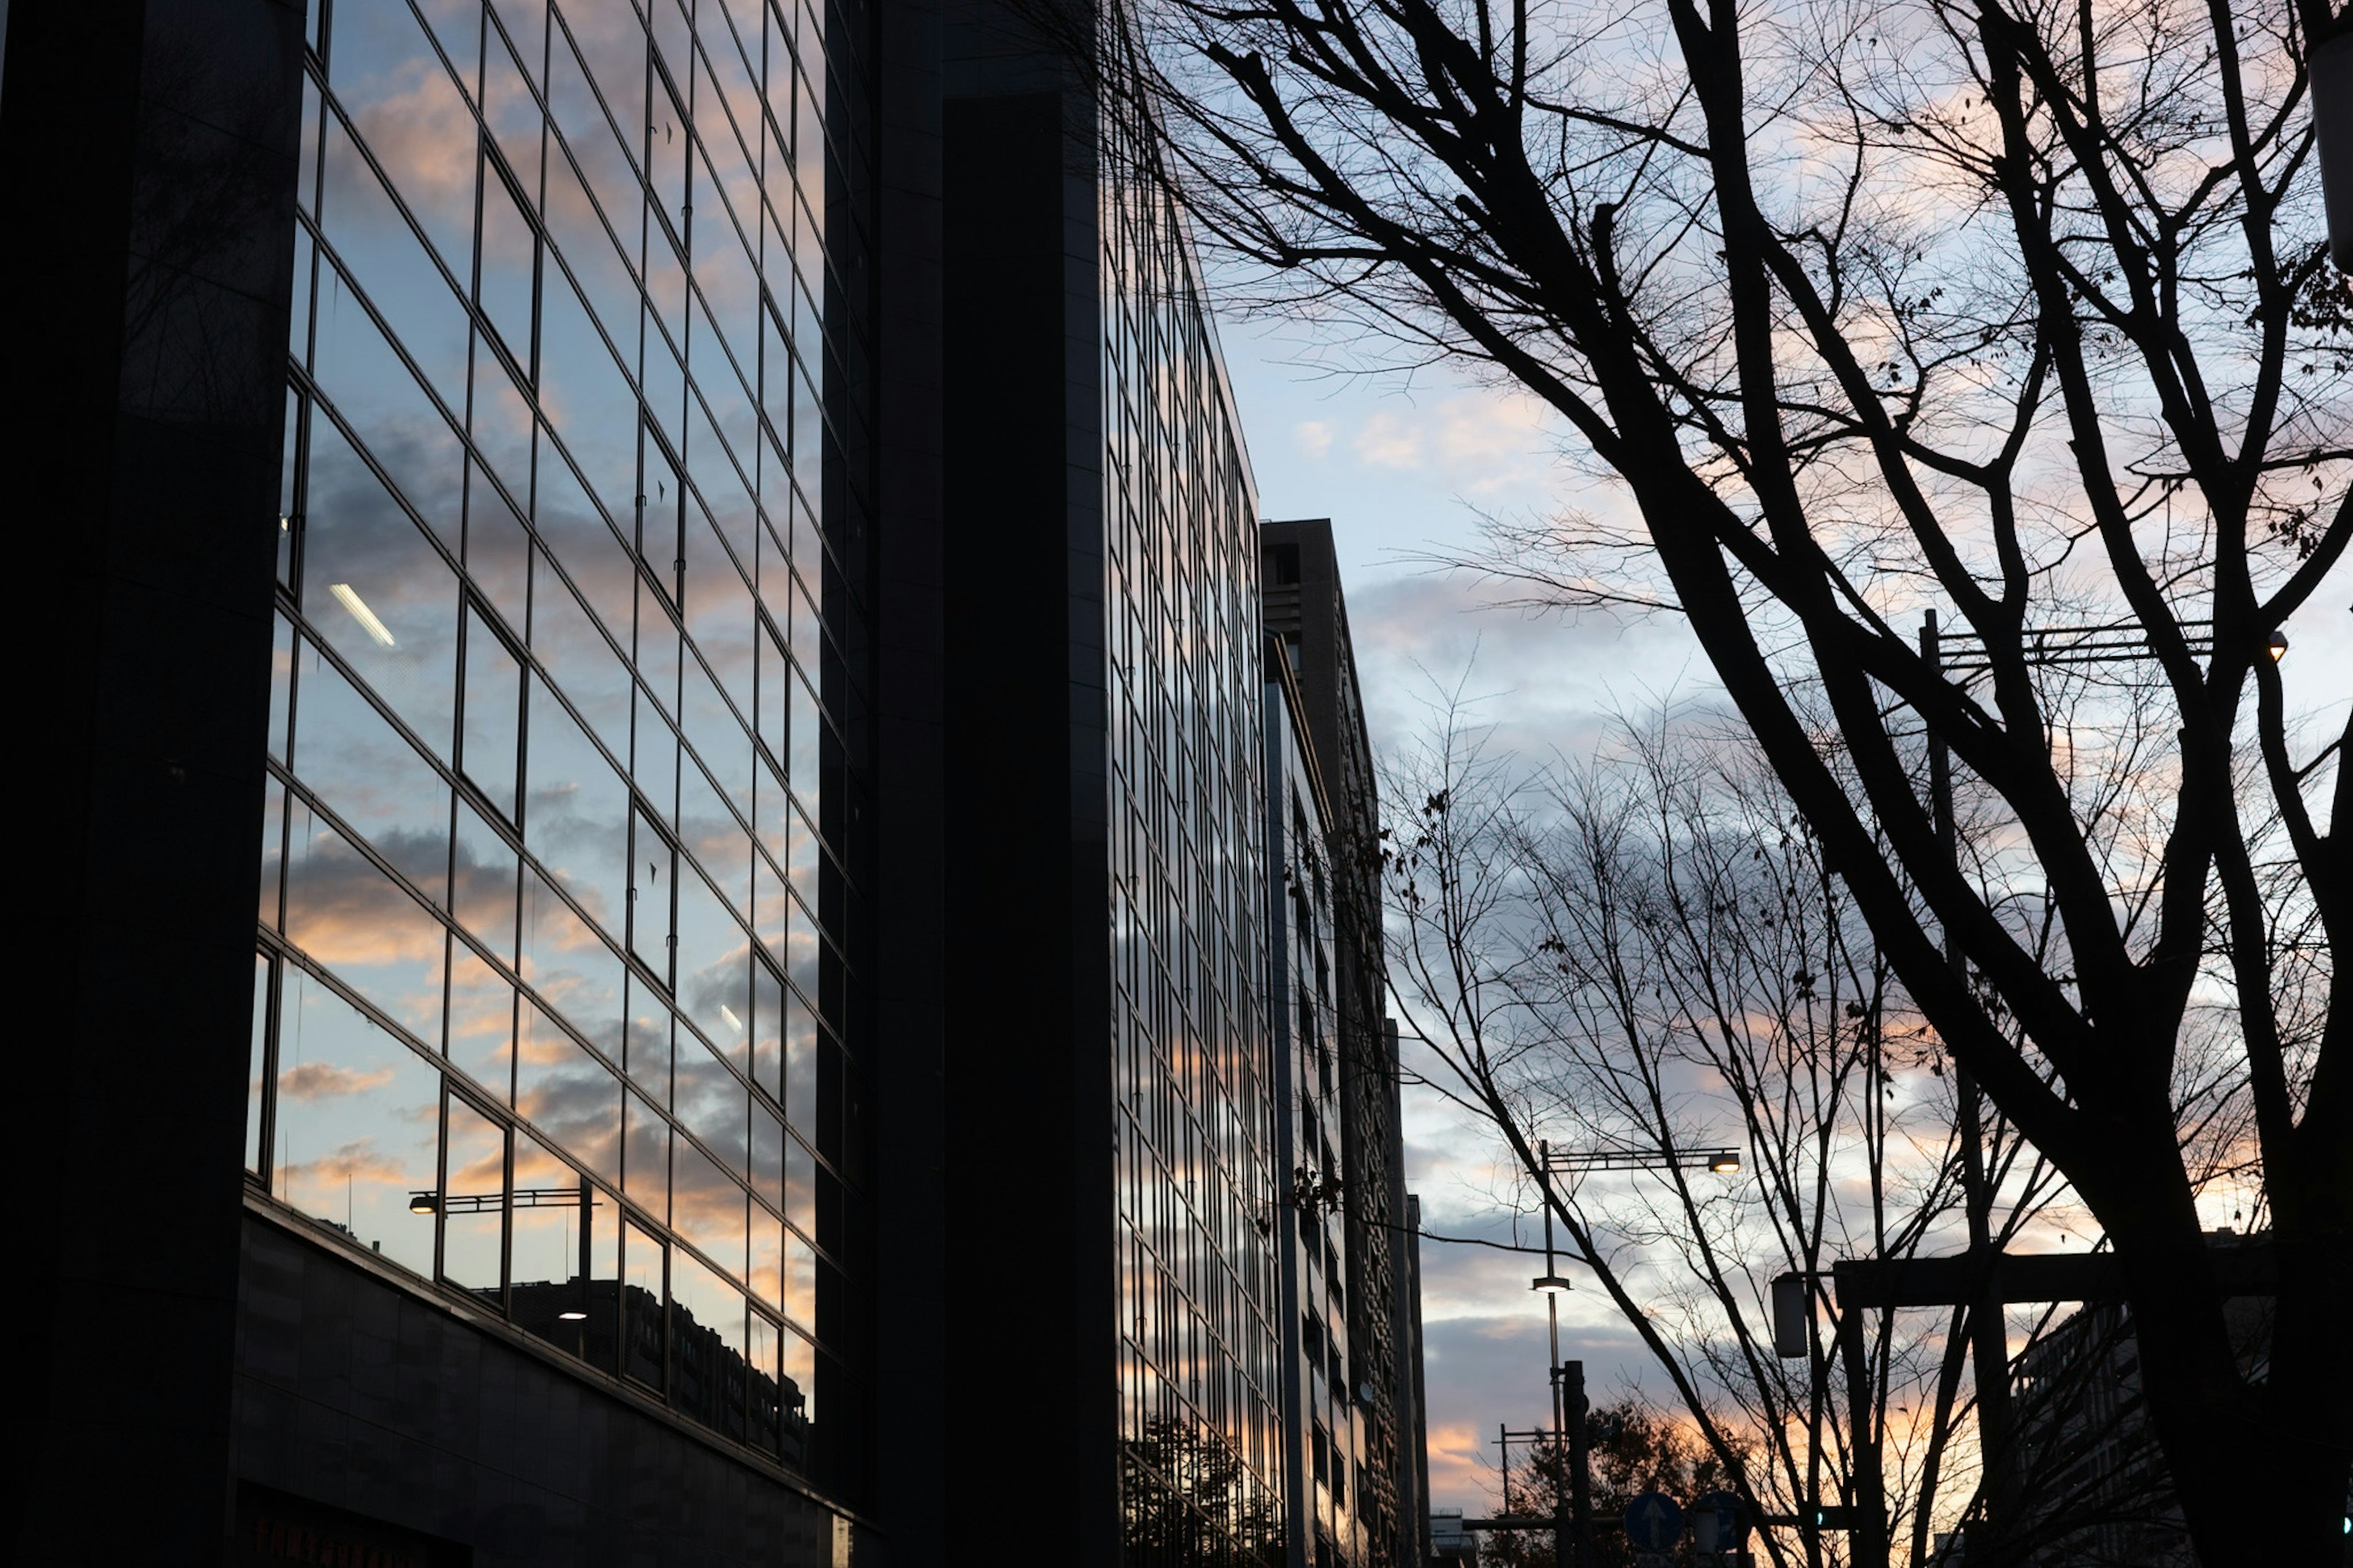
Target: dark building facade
[
  {"x": 1349, "y": 1260},
  {"x": 660, "y": 737},
  {"x": 1110, "y": 1125}
]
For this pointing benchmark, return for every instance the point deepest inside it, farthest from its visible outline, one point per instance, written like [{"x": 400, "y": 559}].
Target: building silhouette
[{"x": 661, "y": 734}]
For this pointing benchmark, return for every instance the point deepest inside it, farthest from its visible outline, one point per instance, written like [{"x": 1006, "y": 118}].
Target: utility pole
[
  {"x": 1580, "y": 1464},
  {"x": 1989, "y": 1326},
  {"x": 1868, "y": 1501},
  {"x": 1983, "y": 1296}
]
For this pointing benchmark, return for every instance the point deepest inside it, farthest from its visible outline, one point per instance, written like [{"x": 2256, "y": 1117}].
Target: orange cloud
[
  {"x": 356, "y": 1162},
  {"x": 320, "y": 1080}
]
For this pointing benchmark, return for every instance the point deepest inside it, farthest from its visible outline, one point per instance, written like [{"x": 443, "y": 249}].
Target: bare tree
[
  {"x": 2019, "y": 309},
  {"x": 1646, "y": 955}
]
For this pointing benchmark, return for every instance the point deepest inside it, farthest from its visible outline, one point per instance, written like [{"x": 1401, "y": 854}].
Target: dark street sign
[
  {"x": 1719, "y": 1522},
  {"x": 1653, "y": 1522},
  {"x": 2246, "y": 1269}
]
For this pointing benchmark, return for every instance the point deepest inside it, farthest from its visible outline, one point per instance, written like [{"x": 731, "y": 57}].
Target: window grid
[
  {"x": 1201, "y": 1430},
  {"x": 447, "y": 496}
]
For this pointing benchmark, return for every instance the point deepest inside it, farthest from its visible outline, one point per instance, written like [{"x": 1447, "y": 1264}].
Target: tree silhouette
[
  {"x": 1635, "y": 1448},
  {"x": 1186, "y": 1499}
]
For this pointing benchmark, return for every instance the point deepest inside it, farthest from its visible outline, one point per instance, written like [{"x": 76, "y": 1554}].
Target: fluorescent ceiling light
[
  {"x": 734, "y": 1022},
  {"x": 360, "y": 613}
]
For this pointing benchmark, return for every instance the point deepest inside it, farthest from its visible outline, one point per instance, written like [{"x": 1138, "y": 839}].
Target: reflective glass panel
[
  {"x": 481, "y": 1024},
  {"x": 645, "y": 1158},
  {"x": 548, "y": 1227},
  {"x": 357, "y": 1124},
  {"x": 344, "y": 912},
  {"x": 568, "y": 1094},
  {"x": 707, "y": 1344},
  {"x": 707, "y": 1207},
  {"x": 257, "y": 1158},
  {"x": 474, "y": 1203},
  {"x": 492, "y": 757},
  {"x": 644, "y": 1276}
]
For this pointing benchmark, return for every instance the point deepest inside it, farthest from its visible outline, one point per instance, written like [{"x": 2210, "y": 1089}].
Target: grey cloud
[{"x": 1548, "y": 682}]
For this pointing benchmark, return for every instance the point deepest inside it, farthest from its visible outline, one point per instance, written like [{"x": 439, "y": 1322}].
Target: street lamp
[
  {"x": 2277, "y": 646},
  {"x": 1724, "y": 1162},
  {"x": 1552, "y": 1282},
  {"x": 1568, "y": 1377}
]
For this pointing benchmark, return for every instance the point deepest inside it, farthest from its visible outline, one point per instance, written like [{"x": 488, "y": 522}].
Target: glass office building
[
  {"x": 1112, "y": 1114},
  {"x": 1202, "y": 1429},
  {"x": 552, "y": 992},
  {"x": 660, "y": 744}
]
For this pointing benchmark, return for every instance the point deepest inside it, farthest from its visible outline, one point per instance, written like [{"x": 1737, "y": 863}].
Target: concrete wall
[{"x": 356, "y": 1391}]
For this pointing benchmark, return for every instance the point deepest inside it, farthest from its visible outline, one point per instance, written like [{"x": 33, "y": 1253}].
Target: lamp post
[
  {"x": 1573, "y": 1512},
  {"x": 1552, "y": 1282}
]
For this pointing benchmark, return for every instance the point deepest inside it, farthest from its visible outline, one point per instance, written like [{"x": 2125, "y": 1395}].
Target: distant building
[
  {"x": 1350, "y": 1263},
  {"x": 2100, "y": 1495}
]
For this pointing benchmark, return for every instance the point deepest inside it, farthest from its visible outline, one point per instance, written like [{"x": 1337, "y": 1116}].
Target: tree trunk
[{"x": 2260, "y": 1468}]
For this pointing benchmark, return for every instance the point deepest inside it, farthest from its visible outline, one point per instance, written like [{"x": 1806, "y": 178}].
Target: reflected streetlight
[{"x": 431, "y": 1202}]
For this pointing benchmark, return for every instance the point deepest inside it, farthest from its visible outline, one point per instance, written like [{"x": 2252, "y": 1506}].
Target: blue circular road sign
[
  {"x": 1719, "y": 1522},
  {"x": 1653, "y": 1522}
]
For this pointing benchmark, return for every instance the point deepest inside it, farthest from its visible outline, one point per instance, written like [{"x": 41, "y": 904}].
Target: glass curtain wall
[
  {"x": 551, "y": 980},
  {"x": 1201, "y": 1432}
]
